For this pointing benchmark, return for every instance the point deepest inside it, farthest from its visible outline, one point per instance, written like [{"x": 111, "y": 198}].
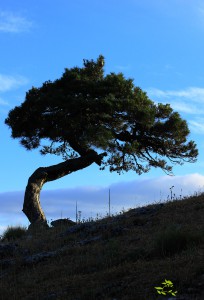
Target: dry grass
[{"x": 133, "y": 254}]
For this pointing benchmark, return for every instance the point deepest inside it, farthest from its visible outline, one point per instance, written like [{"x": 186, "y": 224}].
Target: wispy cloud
[
  {"x": 193, "y": 93},
  {"x": 186, "y": 107},
  {"x": 13, "y": 23},
  {"x": 197, "y": 125},
  {"x": 9, "y": 82},
  {"x": 189, "y": 100}
]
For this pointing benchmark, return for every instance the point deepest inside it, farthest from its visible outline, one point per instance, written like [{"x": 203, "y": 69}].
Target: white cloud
[
  {"x": 197, "y": 126},
  {"x": 10, "y": 22},
  {"x": 188, "y": 108},
  {"x": 92, "y": 200},
  {"x": 193, "y": 93},
  {"x": 189, "y": 100},
  {"x": 9, "y": 82}
]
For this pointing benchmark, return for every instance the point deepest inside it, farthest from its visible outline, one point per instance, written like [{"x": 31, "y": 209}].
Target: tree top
[{"x": 85, "y": 111}]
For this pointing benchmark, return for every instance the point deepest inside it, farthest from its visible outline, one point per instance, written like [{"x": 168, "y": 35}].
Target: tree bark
[{"x": 31, "y": 207}]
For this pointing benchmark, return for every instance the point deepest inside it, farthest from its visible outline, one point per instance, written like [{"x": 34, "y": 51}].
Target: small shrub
[
  {"x": 166, "y": 288},
  {"x": 13, "y": 233}
]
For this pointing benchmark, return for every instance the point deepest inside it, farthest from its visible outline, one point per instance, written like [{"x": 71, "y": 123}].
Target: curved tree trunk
[{"x": 31, "y": 207}]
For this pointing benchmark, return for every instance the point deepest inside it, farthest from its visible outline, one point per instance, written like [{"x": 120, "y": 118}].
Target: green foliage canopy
[{"x": 86, "y": 110}]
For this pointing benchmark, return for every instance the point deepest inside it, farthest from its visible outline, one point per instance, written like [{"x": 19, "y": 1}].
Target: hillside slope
[{"x": 122, "y": 257}]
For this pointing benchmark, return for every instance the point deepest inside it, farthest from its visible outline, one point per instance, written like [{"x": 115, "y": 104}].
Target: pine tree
[{"x": 96, "y": 118}]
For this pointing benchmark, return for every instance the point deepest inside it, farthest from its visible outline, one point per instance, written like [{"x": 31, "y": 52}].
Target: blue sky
[{"x": 158, "y": 43}]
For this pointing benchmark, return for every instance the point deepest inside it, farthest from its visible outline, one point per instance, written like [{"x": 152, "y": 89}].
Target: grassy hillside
[{"x": 121, "y": 257}]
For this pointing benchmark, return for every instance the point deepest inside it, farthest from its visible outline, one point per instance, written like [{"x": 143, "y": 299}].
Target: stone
[{"x": 62, "y": 222}]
